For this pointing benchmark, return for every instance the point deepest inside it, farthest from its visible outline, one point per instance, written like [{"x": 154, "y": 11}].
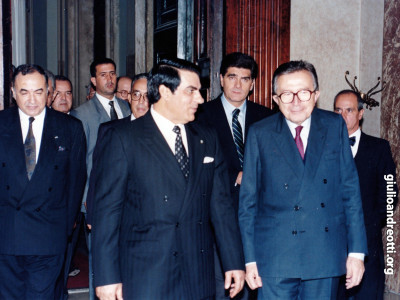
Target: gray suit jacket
[{"x": 92, "y": 114}]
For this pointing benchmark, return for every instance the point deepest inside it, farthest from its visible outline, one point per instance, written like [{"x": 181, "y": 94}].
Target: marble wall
[
  {"x": 390, "y": 111},
  {"x": 337, "y": 36}
]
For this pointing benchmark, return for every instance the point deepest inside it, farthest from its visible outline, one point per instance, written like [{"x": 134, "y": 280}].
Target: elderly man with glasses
[
  {"x": 139, "y": 101},
  {"x": 300, "y": 211}
]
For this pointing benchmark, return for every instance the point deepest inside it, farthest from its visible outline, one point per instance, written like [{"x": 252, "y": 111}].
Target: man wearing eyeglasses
[
  {"x": 123, "y": 90},
  {"x": 300, "y": 210},
  {"x": 139, "y": 101}
]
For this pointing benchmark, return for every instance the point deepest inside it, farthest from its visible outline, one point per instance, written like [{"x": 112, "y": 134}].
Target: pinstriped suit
[{"x": 152, "y": 229}]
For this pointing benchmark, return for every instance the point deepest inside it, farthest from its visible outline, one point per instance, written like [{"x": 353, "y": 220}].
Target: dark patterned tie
[
  {"x": 299, "y": 142},
  {"x": 113, "y": 113},
  {"x": 238, "y": 135},
  {"x": 180, "y": 152},
  {"x": 352, "y": 141},
  {"x": 30, "y": 150}
]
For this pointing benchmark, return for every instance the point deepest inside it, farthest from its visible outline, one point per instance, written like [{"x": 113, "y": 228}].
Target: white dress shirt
[
  {"x": 357, "y": 135},
  {"x": 304, "y": 132},
  {"x": 229, "y": 108},
  {"x": 104, "y": 101},
  {"x": 37, "y": 128},
  {"x": 166, "y": 126}
]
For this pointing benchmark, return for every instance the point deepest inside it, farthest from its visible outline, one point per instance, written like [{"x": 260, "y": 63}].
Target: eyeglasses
[
  {"x": 123, "y": 93},
  {"x": 137, "y": 95},
  {"x": 288, "y": 97}
]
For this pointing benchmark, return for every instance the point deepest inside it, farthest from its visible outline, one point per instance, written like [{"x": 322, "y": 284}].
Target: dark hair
[
  {"x": 239, "y": 60},
  {"x": 29, "y": 69},
  {"x": 63, "y": 78},
  {"x": 51, "y": 76},
  {"x": 139, "y": 76},
  {"x": 100, "y": 61},
  {"x": 292, "y": 67},
  {"x": 360, "y": 102},
  {"x": 166, "y": 72}
]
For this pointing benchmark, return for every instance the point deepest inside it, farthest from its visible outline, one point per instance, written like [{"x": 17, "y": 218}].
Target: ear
[
  {"x": 13, "y": 92},
  {"x": 221, "y": 79},
  {"x": 164, "y": 91},
  {"x": 316, "y": 96},
  {"x": 252, "y": 84},
  {"x": 360, "y": 114},
  {"x": 93, "y": 80},
  {"x": 276, "y": 99}
]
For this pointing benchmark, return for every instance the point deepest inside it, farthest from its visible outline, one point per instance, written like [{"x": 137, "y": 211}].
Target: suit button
[
  {"x": 3, "y": 164},
  {"x": 286, "y": 186},
  {"x": 55, "y": 167},
  {"x": 326, "y": 229},
  {"x": 201, "y": 250},
  {"x": 325, "y": 181},
  {"x": 18, "y": 208},
  {"x": 175, "y": 254},
  {"x": 166, "y": 198},
  {"x": 200, "y": 222},
  {"x": 50, "y": 189},
  {"x": 322, "y": 205},
  {"x": 296, "y": 207},
  {"x": 7, "y": 187},
  {"x": 177, "y": 225},
  {"x": 294, "y": 232},
  {"x": 37, "y": 209}
]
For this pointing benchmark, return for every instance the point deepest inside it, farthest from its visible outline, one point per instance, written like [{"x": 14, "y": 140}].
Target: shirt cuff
[
  {"x": 250, "y": 263},
  {"x": 357, "y": 255}
]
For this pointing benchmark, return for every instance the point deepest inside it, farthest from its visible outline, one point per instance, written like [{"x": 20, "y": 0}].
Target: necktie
[
  {"x": 113, "y": 113},
  {"x": 238, "y": 135},
  {"x": 299, "y": 142},
  {"x": 30, "y": 150},
  {"x": 180, "y": 152},
  {"x": 352, "y": 141}
]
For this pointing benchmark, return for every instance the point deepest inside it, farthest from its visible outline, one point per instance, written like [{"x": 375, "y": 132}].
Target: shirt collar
[
  {"x": 104, "y": 101},
  {"x": 25, "y": 118},
  {"x": 229, "y": 108}
]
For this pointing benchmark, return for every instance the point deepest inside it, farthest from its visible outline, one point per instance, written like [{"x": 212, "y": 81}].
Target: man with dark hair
[
  {"x": 156, "y": 211},
  {"x": 300, "y": 210},
  {"x": 51, "y": 83},
  {"x": 139, "y": 100},
  {"x": 103, "y": 107},
  {"x": 123, "y": 90},
  {"x": 231, "y": 115},
  {"x": 42, "y": 154},
  {"x": 62, "y": 95},
  {"x": 376, "y": 169}
]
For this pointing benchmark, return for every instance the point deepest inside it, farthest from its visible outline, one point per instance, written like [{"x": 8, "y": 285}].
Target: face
[
  {"x": 30, "y": 92},
  {"x": 141, "y": 106},
  {"x": 180, "y": 106},
  {"x": 105, "y": 80},
  {"x": 50, "y": 93},
  {"x": 347, "y": 106},
  {"x": 124, "y": 89},
  {"x": 91, "y": 93},
  {"x": 297, "y": 111},
  {"x": 237, "y": 84},
  {"x": 62, "y": 96}
]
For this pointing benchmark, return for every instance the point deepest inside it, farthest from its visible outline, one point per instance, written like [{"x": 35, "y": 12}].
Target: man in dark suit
[
  {"x": 238, "y": 73},
  {"x": 300, "y": 211},
  {"x": 42, "y": 154},
  {"x": 103, "y": 107},
  {"x": 160, "y": 184},
  {"x": 374, "y": 163}
]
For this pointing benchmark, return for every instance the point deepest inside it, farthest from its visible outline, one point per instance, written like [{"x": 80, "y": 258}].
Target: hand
[
  {"x": 89, "y": 226},
  {"x": 239, "y": 178},
  {"x": 355, "y": 270},
  {"x": 252, "y": 278},
  {"x": 109, "y": 292},
  {"x": 238, "y": 282}
]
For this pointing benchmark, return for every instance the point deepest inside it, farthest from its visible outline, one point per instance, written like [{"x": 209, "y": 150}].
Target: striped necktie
[
  {"x": 238, "y": 135},
  {"x": 113, "y": 113},
  {"x": 299, "y": 142},
  {"x": 30, "y": 150}
]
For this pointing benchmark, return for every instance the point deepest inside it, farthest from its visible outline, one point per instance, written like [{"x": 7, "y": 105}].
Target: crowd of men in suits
[{"x": 190, "y": 200}]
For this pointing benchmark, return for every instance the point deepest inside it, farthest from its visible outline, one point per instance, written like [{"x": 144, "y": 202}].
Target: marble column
[{"x": 390, "y": 115}]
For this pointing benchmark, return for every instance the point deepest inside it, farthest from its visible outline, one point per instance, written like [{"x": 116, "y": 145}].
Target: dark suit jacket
[
  {"x": 374, "y": 161},
  {"x": 152, "y": 229},
  {"x": 37, "y": 215},
  {"x": 299, "y": 220},
  {"x": 213, "y": 114},
  {"x": 92, "y": 114},
  {"x": 102, "y": 130}
]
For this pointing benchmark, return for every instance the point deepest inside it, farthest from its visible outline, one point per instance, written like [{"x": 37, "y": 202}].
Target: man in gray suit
[{"x": 103, "y": 107}]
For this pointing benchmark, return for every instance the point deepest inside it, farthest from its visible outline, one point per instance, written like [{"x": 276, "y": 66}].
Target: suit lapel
[
  {"x": 315, "y": 145},
  {"x": 361, "y": 151},
  {"x": 104, "y": 117},
  {"x": 158, "y": 146},
  {"x": 287, "y": 147},
  {"x": 196, "y": 147}
]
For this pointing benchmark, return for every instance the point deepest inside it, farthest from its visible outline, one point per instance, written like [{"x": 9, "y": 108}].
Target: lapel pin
[
  {"x": 56, "y": 137},
  {"x": 201, "y": 142}
]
